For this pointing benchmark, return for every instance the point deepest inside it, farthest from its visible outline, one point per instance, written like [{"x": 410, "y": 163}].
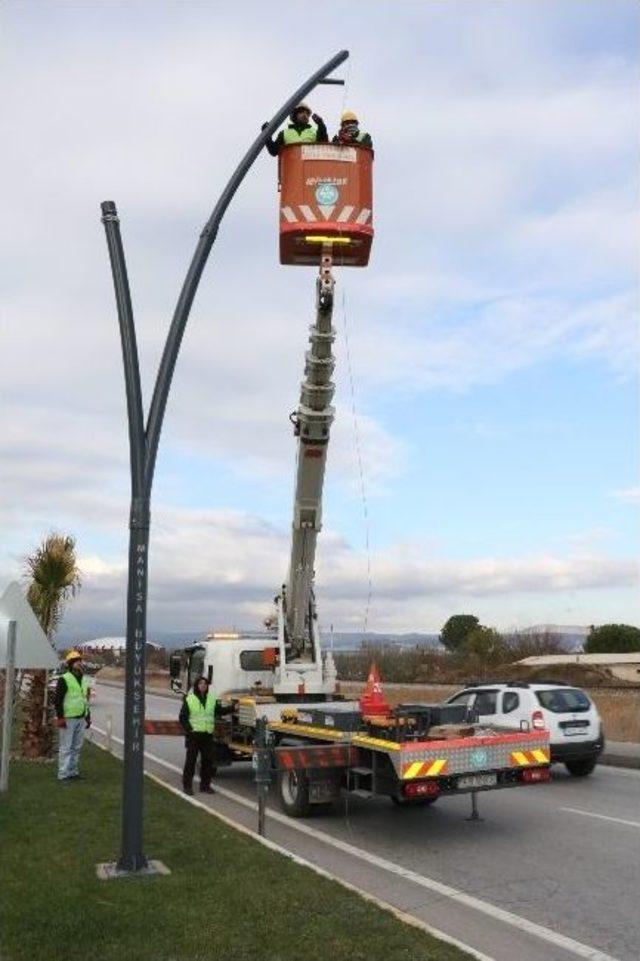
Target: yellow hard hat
[
  {"x": 73, "y": 656},
  {"x": 347, "y": 116}
]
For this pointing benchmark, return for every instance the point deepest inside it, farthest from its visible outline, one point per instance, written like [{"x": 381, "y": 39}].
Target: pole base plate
[{"x": 109, "y": 870}]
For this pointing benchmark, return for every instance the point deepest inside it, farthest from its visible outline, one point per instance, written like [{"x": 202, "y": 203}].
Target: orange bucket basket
[{"x": 325, "y": 199}]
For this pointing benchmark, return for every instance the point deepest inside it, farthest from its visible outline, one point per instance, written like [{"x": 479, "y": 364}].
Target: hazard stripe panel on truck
[
  {"x": 525, "y": 758},
  {"x": 424, "y": 769},
  {"x": 314, "y": 756}
]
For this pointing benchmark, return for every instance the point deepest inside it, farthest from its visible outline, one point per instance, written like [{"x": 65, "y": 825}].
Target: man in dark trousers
[
  {"x": 197, "y": 717},
  {"x": 72, "y": 716},
  {"x": 299, "y": 130}
]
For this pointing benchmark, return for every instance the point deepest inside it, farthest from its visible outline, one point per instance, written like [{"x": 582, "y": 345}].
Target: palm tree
[{"x": 53, "y": 577}]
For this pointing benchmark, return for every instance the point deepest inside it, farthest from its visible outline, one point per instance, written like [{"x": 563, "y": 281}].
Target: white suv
[{"x": 574, "y": 725}]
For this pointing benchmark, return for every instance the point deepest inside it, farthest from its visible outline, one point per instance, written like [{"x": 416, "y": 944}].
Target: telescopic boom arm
[{"x": 312, "y": 424}]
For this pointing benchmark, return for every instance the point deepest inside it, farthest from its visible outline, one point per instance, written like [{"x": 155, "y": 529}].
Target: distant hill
[
  {"x": 572, "y": 638},
  {"x": 342, "y": 641}
]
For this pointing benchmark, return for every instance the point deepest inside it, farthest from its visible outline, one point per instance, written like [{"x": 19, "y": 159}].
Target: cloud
[
  {"x": 631, "y": 495},
  {"x": 211, "y": 568},
  {"x": 505, "y": 195}
]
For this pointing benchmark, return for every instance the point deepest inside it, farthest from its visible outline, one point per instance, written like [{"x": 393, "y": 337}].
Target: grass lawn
[{"x": 227, "y": 897}]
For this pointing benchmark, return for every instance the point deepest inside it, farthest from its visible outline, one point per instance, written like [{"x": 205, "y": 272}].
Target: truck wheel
[
  {"x": 412, "y": 802},
  {"x": 293, "y": 788},
  {"x": 582, "y": 767}
]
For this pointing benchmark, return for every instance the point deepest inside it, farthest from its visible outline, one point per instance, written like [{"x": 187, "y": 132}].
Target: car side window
[
  {"x": 486, "y": 702},
  {"x": 510, "y": 702},
  {"x": 464, "y": 698}
]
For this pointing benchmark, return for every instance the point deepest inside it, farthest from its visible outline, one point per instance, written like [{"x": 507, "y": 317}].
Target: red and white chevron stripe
[{"x": 316, "y": 214}]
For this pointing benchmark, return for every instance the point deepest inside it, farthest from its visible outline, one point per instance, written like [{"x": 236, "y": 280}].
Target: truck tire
[
  {"x": 581, "y": 767},
  {"x": 293, "y": 789}
]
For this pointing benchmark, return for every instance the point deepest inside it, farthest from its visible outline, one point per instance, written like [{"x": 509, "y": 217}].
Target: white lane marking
[
  {"x": 307, "y": 213},
  {"x": 363, "y": 216},
  {"x": 444, "y": 890},
  {"x": 602, "y": 817},
  {"x": 344, "y": 214},
  {"x": 289, "y": 215},
  {"x": 297, "y": 859}
]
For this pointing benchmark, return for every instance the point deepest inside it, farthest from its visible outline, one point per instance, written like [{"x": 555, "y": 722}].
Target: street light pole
[{"x": 143, "y": 448}]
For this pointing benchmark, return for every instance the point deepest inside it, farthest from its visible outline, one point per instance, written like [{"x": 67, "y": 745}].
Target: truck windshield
[{"x": 564, "y": 700}]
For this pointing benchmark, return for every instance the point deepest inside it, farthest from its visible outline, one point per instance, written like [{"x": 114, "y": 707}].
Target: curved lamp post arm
[
  {"x": 129, "y": 346},
  {"x": 207, "y": 237}
]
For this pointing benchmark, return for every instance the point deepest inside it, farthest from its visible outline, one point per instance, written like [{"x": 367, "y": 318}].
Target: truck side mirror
[
  {"x": 175, "y": 666},
  {"x": 176, "y": 684}
]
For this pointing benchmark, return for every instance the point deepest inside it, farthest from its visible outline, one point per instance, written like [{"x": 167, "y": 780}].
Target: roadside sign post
[
  {"x": 7, "y": 713},
  {"x": 143, "y": 448},
  {"x": 34, "y": 653}
]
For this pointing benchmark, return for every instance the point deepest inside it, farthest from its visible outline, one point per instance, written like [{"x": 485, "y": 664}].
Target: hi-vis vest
[
  {"x": 359, "y": 137},
  {"x": 308, "y": 135},
  {"x": 201, "y": 716},
  {"x": 76, "y": 700}
]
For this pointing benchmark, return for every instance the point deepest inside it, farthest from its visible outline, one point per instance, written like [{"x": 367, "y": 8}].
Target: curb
[{"x": 609, "y": 759}]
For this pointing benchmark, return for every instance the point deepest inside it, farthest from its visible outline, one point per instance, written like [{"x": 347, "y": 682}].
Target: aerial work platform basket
[{"x": 325, "y": 204}]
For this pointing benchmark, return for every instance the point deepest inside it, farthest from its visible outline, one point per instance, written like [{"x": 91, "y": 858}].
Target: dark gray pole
[
  {"x": 143, "y": 446},
  {"x": 262, "y": 769},
  {"x": 132, "y": 856}
]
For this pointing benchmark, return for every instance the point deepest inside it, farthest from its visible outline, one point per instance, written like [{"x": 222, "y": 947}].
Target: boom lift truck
[{"x": 323, "y": 745}]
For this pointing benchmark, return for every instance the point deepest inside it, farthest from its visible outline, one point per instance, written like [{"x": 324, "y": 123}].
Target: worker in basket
[
  {"x": 350, "y": 132},
  {"x": 300, "y": 130}
]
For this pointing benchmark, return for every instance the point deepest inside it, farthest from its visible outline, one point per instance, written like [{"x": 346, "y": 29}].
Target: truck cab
[{"x": 232, "y": 662}]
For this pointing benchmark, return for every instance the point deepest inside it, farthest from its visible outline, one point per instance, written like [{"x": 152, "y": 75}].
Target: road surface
[{"x": 551, "y": 874}]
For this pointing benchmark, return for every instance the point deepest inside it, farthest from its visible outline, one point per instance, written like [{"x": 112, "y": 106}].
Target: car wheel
[
  {"x": 293, "y": 790},
  {"x": 582, "y": 767}
]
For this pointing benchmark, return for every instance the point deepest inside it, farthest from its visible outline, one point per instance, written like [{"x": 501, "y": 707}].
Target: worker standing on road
[
  {"x": 350, "y": 132},
  {"x": 197, "y": 717},
  {"x": 299, "y": 130},
  {"x": 72, "y": 716}
]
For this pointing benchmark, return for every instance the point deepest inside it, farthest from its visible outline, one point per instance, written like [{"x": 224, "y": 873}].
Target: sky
[{"x": 492, "y": 340}]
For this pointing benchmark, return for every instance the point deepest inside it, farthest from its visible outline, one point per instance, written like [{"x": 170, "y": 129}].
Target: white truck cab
[{"x": 238, "y": 663}]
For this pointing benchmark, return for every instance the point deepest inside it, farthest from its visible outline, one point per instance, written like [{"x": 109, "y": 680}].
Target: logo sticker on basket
[{"x": 327, "y": 194}]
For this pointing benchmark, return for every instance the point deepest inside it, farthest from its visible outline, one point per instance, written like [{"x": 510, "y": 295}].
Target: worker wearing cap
[
  {"x": 197, "y": 717},
  {"x": 300, "y": 130},
  {"x": 350, "y": 132},
  {"x": 72, "y": 716}
]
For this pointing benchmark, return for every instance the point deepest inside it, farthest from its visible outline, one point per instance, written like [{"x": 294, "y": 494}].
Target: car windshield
[{"x": 564, "y": 700}]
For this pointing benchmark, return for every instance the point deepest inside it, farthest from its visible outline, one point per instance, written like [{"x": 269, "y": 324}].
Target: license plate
[
  {"x": 575, "y": 730},
  {"x": 477, "y": 780}
]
